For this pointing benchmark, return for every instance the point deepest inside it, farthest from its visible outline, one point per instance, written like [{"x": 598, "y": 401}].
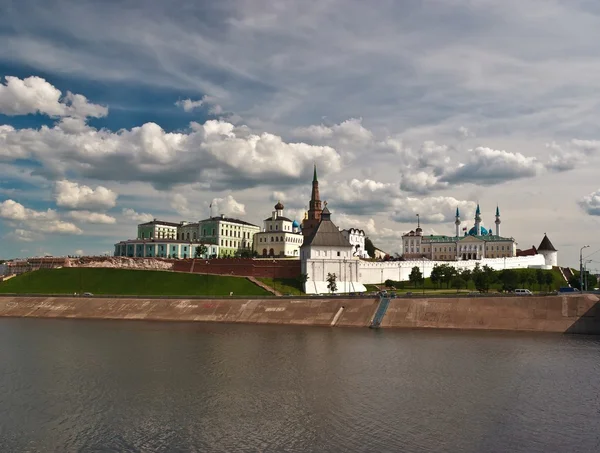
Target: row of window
[{"x": 290, "y": 239}]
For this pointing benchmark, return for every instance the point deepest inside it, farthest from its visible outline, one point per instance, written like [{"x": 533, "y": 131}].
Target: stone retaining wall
[{"x": 572, "y": 314}]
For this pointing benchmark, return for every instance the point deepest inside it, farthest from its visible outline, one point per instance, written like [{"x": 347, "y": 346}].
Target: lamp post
[
  {"x": 581, "y": 266},
  {"x": 585, "y": 272}
]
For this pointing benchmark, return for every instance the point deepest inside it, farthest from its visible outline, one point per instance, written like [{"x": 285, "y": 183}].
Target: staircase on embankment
[{"x": 384, "y": 302}]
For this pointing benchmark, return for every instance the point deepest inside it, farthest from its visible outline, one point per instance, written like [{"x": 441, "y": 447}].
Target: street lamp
[
  {"x": 585, "y": 271},
  {"x": 581, "y": 266}
]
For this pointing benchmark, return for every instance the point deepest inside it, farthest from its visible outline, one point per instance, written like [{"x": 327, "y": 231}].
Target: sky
[{"x": 113, "y": 113}]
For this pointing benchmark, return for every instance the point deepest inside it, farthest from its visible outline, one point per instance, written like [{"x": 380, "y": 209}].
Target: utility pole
[{"x": 581, "y": 267}]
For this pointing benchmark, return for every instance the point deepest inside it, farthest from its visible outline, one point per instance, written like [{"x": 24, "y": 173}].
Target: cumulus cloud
[
  {"x": 140, "y": 217},
  {"x": 188, "y": 105},
  {"x": 488, "y": 166},
  {"x": 36, "y": 95},
  {"x": 74, "y": 196},
  {"x": 420, "y": 182},
  {"x": 228, "y": 206},
  {"x": 92, "y": 217},
  {"x": 79, "y": 252},
  {"x": 216, "y": 152},
  {"x": 571, "y": 155},
  {"x": 591, "y": 203},
  {"x": 22, "y": 235},
  {"x": 41, "y": 221}
]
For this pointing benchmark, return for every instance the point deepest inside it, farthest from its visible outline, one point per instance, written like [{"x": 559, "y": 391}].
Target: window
[
  {"x": 271, "y": 227},
  {"x": 338, "y": 253}
]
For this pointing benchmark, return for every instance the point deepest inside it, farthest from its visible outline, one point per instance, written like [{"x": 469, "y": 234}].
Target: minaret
[
  {"x": 419, "y": 230},
  {"x": 457, "y": 222},
  {"x": 314, "y": 208},
  {"x": 478, "y": 221},
  {"x": 498, "y": 221}
]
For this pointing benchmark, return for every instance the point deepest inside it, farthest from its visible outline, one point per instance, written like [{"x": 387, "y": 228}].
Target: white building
[
  {"x": 280, "y": 236},
  {"x": 356, "y": 238},
  {"x": 157, "y": 229},
  {"x": 326, "y": 251},
  {"x": 162, "y": 248}
]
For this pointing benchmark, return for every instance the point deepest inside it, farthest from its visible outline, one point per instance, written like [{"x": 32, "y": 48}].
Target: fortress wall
[
  {"x": 572, "y": 314},
  {"x": 377, "y": 272}
]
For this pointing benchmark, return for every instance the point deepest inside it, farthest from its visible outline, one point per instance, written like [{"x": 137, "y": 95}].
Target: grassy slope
[
  {"x": 284, "y": 285},
  {"x": 128, "y": 282}
]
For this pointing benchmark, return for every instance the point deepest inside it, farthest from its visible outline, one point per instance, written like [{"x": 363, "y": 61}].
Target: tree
[
  {"x": 415, "y": 276},
  {"x": 369, "y": 247},
  {"x": 436, "y": 274},
  {"x": 549, "y": 279},
  {"x": 447, "y": 274},
  {"x": 540, "y": 278},
  {"x": 201, "y": 250},
  {"x": 509, "y": 279},
  {"x": 466, "y": 275},
  {"x": 331, "y": 282},
  {"x": 458, "y": 282},
  {"x": 302, "y": 279},
  {"x": 483, "y": 278}
]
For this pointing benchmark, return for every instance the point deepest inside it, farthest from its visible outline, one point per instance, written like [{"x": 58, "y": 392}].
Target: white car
[{"x": 523, "y": 292}]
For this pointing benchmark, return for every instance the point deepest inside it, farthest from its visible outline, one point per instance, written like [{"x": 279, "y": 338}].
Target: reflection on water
[{"x": 69, "y": 385}]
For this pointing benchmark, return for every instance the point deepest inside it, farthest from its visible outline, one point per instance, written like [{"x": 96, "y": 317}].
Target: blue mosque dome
[
  {"x": 484, "y": 231},
  {"x": 295, "y": 224}
]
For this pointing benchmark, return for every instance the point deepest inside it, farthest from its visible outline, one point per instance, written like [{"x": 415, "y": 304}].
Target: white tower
[
  {"x": 457, "y": 222},
  {"x": 548, "y": 251},
  {"x": 498, "y": 221},
  {"x": 478, "y": 221}
]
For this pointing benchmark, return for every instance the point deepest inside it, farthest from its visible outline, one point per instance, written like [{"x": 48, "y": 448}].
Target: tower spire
[
  {"x": 315, "y": 174},
  {"x": 457, "y": 221},
  {"x": 498, "y": 221}
]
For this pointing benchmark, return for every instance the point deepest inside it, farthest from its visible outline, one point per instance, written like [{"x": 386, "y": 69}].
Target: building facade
[
  {"x": 221, "y": 236},
  {"x": 475, "y": 244},
  {"x": 326, "y": 251},
  {"x": 157, "y": 229},
  {"x": 280, "y": 237},
  {"x": 356, "y": 238},
  {"x": 163, "y": 248}
]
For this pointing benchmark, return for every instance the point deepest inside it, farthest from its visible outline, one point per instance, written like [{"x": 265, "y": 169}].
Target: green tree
[
  {"x": 201, "y": 250},
  {"x": 549, "y": 279},
  {"x": 302, "y": 279},
  {"x": 415, "y": 276},
  {"x": 509, "y": 279},
  {"x": 466, "y": 275},
  {"x": 447, "y": 274},
  {"x": 436, "y": 275},
  {"x": 540, "y": 278},
  {"x": 483, "y": 278},
  {"x": 458, "y": 282},
  {"x": 331, "y": 282},
  {"x": 369, "y": 247}
]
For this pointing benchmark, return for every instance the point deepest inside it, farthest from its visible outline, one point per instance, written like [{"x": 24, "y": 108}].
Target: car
[
  {"x": 523, "y": 292},
  {"x": 87, "y": 294}
]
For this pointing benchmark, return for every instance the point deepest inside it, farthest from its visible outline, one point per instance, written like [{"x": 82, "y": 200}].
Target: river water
[{"x": 94, "y": 386}]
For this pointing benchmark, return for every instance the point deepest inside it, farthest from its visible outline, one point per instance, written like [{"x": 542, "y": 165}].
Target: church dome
[
  {"x": 295, "y": 224},
  {"x": 484, "y": 231},
  {"x": 278, "y": 206}
]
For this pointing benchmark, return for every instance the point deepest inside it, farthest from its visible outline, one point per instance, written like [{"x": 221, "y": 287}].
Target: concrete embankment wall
[{"x": 573, "y": 314}]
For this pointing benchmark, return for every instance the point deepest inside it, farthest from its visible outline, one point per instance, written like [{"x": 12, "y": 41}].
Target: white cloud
[
  {"x": 188, "y": 105},
  {"x": 488, "y": 166},
  {"x": 591, "y": 203},
  {"x": 92, "y": 217},
  {"x": 572, "y": 154},
  {"x": 140, "y": 217},
  {"x": 213, "y": 153},
  {"x": 228, "y": 206},
  {"x": 72, "y": 195},
  {"x": 420, "y": 182},
  {"x": 21, "y": 235},
  {"x": 36, "y": 95},
  {"x": 79, "y": 252},
  {"x": 41, "y": 221}
]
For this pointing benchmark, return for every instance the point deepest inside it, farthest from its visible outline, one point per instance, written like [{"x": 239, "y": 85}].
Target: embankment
[{"x": 572, "y": 314}]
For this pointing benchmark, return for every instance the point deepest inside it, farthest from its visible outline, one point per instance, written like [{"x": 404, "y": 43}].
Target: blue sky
[{"x": 408, "y": 107}]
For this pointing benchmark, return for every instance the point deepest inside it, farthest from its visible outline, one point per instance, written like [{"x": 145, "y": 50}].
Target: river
[{"x": 130, "y": 386}]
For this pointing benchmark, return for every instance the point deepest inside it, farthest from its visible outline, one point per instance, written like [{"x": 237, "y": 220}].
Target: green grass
[
  {"x": 284, "y": 285},
  {"x": 128, "y": 282}
]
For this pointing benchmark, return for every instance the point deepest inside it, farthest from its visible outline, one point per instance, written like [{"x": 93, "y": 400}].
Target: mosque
[{"x": 475, "y": 244}]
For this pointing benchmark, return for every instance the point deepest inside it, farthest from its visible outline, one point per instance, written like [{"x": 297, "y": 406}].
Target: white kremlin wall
[
  {"x": 353, "y": 274},
  {"x": 379, "y": 272}
]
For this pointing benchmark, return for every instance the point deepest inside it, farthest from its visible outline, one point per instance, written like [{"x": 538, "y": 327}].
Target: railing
[{"x": 384, "y": 301}]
